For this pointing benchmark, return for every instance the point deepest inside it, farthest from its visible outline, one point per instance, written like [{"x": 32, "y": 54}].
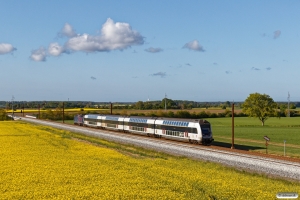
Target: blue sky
[{"x": 123, "y": 51}]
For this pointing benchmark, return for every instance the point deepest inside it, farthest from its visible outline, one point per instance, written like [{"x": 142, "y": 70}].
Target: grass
[
  {"x": 250, "y": 133},
  {"x": 39, "y": 162}
]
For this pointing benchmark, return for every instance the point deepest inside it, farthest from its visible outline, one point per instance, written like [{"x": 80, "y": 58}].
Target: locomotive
[{"x": 196, "y": 131}]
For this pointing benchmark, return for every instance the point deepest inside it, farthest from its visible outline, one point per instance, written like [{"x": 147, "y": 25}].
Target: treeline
[
  {"x": 47, "y": 104},
  {"x": 58, "y": 114},
  {"x": 180, "y": 114},
  {"x": 140, "y": 105},
  {"x": 178, "y": 104}
]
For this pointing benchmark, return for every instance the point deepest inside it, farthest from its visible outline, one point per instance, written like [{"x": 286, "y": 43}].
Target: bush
[
  {"x": 183, "y": 114},
  {"x": 203, "y": 115},
  {"x": 213, "y": 115}
]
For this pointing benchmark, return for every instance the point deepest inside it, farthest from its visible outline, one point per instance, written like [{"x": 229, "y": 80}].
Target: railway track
[{"x": 254, "y": 163}]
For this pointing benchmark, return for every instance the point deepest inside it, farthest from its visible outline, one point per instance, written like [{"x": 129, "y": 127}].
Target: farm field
[
  {"x": 39, "y": 162},
  {"x": 249, "y": 134},
  {"x": 66, "y": 110}
]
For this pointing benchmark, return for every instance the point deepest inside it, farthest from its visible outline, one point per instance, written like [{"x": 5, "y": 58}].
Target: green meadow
[{"x": 249, "y": 134}]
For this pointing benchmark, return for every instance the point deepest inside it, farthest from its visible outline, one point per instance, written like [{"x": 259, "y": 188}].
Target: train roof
[
  {"x": 141, "y": 117},
  {"x": 93, "y": 116},
  {"x": 201, "y": 121}
]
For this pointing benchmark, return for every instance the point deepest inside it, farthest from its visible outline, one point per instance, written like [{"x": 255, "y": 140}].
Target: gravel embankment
[{"x": 253, "y": 163}]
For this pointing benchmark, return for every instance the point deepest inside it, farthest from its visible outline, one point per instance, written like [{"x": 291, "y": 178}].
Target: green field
[
  {"x": 249, "y": 134},
  {"x": 39, "y": 162}
]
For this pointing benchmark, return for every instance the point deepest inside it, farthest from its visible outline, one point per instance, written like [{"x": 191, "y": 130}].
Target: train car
[
  {"x": 112, "y": 122},
  {"x": 142, "y": 125},
  {"x": 91, "y": 120},
  {"x": 193, "y": 130},
  {"x": 78, "y": 120},
  {"x": 196, "y": 131}
]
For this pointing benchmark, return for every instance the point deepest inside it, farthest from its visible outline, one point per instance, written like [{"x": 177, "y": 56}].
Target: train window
[{"x": 193, "y": 130}]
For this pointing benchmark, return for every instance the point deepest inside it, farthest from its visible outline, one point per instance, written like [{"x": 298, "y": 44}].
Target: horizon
[
  {"x": 108, "y": 102},
  {"x": 111, "y": 51}
]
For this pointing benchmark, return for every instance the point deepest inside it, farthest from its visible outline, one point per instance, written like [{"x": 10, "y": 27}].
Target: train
[{"x": 197, "y": 131}]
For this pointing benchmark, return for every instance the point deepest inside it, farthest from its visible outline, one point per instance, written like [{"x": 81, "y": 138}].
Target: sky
[{"x": 128, "y": 51}]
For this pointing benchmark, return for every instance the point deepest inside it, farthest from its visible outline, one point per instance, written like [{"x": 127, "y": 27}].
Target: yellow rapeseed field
[
  {"x": 66, "y": 110},
  {"x": 39, "y": 162}
]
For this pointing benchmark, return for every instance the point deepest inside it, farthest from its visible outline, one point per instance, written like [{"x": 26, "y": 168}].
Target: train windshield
[{"x": 205, "y": 128}]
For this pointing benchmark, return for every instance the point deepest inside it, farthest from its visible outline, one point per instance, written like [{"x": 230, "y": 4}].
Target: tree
[
  {"x": 260, "y": 106},
  {"x": 139, "y": 105},
  {"x": 169, "y": 103}
]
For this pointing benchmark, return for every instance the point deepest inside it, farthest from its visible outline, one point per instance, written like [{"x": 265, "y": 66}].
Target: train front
[{"x": 207, "y": 136}]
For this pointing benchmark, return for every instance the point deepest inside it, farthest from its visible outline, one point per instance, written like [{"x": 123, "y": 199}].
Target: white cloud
[
  {"x": 55, "y": 49},
  {"x": 6, "y": 48},
  {"x": 161, "y": 74},
  {"x": 194, "y": 45},
  {"x": 67, "y": 31},
  {"x": 39, "y": 54},
  {"x": 153, "y": 50},
  {"x": 277, "y": 34},
  {"x": 114, "y": 36}
]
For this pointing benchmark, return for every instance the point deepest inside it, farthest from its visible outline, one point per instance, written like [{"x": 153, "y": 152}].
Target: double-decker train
[{"x": 196, "y": 131}]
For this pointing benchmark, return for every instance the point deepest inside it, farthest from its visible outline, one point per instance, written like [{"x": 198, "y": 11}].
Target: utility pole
[
  {"x": 165, "y": 101},
  {"x": 232, "y": 116},
  {"x": 12, "y": 106},
  {"x": 111, "y": 108},
  {"x": 63, "y": 117},
  {"x": 39, "y": 110},
  {"x": 23, "y": 108},
  {"x": 288, "y": 113}
]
